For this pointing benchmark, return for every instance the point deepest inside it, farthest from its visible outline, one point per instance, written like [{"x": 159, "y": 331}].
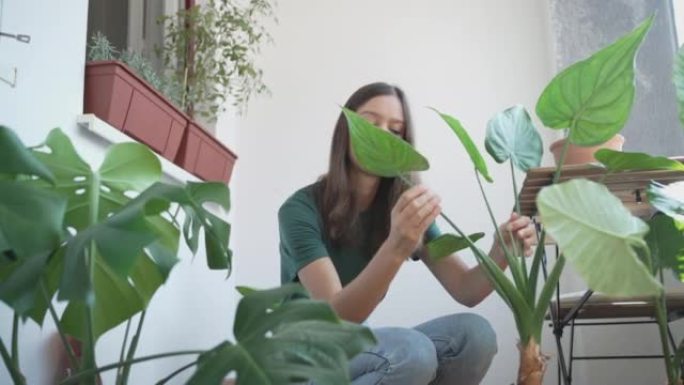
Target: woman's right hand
[{"x": 415, "y": 210}]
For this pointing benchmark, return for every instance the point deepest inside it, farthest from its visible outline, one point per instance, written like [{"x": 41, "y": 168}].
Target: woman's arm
[
  {"x": 415, "y": 210},
  {"x": 469, "y": 286}
]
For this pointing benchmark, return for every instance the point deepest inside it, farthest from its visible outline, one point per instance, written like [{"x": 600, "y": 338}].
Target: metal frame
[{"x": 558, "y": 325}]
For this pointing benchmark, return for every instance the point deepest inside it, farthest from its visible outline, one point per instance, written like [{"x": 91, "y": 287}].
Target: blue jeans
[{"x": 455, "y": 349}]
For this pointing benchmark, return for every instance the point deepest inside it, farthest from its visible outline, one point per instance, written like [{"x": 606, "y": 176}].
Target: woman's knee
[
  {"x": 463, "y": 334},
  {"x": 482, "y": 341},
  {"x": 411, "y": 356}
]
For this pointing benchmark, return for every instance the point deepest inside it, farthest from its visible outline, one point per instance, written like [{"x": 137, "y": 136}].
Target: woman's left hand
[{"x": 518, "y": 233}]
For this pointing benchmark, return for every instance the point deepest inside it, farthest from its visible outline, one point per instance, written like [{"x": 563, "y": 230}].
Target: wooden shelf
[{"x": 628, "y": 186}]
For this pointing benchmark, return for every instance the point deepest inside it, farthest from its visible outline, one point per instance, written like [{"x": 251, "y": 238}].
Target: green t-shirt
[{"x": 303, "y": 240}]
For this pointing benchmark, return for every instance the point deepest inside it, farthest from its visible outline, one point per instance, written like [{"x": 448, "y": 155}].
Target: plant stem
[
  {"x": 661, "y": 317},
  {"x": 53, "y": 314},
  {"x": 176, "y": 372},
  {"x": 511, "y": 259},
  {"x": 89, "y": 361},
  {"x": 131, "y": 349},
  {"x": 90, "y": 373},
  {"x": 16, "y": 375},
  {"x": 523, "y": 260},
  {"x": 559, "y": 166},
  {"x": 123, "y": 352},
  {"x": 15, "y": 340},
  {"x": 515, "y": 188}
]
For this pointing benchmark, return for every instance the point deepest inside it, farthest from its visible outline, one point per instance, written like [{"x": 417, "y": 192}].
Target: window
[
  {"x": 678, "y": 13},
  {"x": 132, "y": 24}
]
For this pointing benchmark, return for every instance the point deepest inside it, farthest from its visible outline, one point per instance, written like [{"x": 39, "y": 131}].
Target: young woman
[{"x": 346, "y": 236}]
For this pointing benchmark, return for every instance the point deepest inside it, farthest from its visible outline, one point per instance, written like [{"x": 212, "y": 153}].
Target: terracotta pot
[
  {"x": 582, "y": 155},
  {"x": 115, "y": 94},
  {"x": 204, "y": 156}
]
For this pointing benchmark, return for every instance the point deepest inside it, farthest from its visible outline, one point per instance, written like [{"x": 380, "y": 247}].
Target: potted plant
[
  {"x": 587, "y": 222},
  {"x": 209, "y": 50},
  {"x": 124, "y": 90},
  {"x": 74, "y": 232}
]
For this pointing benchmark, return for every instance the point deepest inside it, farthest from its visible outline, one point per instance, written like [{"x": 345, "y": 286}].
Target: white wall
[
  {"x": 194, "y": 309},
  {"x": 470, "y": 59}
]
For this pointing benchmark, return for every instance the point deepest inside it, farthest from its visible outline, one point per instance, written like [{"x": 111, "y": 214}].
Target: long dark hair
[{"x": 334, "y": 195}]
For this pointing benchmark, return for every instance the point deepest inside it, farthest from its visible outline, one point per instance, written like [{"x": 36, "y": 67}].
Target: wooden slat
[{"x": 624, "y": 184}]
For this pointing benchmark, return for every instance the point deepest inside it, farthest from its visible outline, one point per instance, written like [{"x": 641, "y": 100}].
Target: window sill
[{"x": 104, "y": 130}]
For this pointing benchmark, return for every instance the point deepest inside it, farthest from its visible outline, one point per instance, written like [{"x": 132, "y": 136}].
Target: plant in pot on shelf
[
  {"x": 123, "y": 89},
  {"x": 77, "y": 233},
  {"x": 210, "y": 50},
  {"x": 593, "y": 229}
]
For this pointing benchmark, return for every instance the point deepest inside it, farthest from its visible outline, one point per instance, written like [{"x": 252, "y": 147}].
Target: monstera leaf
[
  {"x": 666, "y": 241},
  {"x": 192, "y": 198},
  {"x": 679, "y": 81},
  {"x": 380, "y": 152},
  {"x": 631, "y": 161},
  {"x": 593, "y": 97},
  {"x": 471, "y": 149},
  {"x": 284, "y": 338},
  {"x": 447, "y": 244},
  {"x": 16, "y": 159},
  {"x": 669, "y": 199},
  {"x": 598, "y": 235},
  {"x": 30, "y": 222},
  {"x": 511, "y": 135}
]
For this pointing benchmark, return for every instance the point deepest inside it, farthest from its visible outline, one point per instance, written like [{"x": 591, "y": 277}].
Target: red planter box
[
  {"x": 115, "y": 94},
  {"x": 204, "y": 156}
]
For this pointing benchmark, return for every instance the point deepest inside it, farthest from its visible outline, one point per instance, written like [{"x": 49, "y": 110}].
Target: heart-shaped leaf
[
  {"x": 668, "y": 199},
  {"x": 598, "y": 235},
  {"x": 473, "y": 152},
  {"x": 625, "y": 161},
  {"x": 380, "y": 152},
  {"x": 284, "y": 338},
  {"x": 593, "y": 97},
  {"x": 511, "y": 135},
  {"x": 447, "y": 244}
]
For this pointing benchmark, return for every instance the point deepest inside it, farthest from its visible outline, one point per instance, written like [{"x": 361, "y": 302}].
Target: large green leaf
[
  {"x": 117, "y": 299},
  {"x": 679, "y": 81},
  {"x": 380, "y": 152},
  {"x": 625, "y": 161},
  {"x": 18, "y": 282},
  {"x": 598, "y": 235},
  {"x": 30, "y": 218},
  {"x": 284, "y": 338},
  {"x": 593, "y": 97},
  {"x": 511, "y": 135},
  {"x": 119, "y": 241},
  {"x": 134, "y": 249},
  {"x": 15, "y": 158},
  {"x": 192, "y": 198},
  {"x": 666, "y": 241},
  {"x": 127, "y": 167},
  {"x": 447, "y": 244},
  {"x": 669, "y": 199},
  {"x": 473, "y": 152}
]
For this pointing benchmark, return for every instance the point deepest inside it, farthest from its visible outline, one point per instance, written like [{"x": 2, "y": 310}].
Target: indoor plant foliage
[
  {"x": 210, "y": 50},
  {"x": 591, "y": 100},
  {"x": 101, "y": 49},
  {"x": 103, "y": 241}
]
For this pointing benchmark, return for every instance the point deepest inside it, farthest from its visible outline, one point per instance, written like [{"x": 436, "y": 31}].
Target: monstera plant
[
  {"x": 103, "y": 241},
  {"x": 592, "y": 100}
]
